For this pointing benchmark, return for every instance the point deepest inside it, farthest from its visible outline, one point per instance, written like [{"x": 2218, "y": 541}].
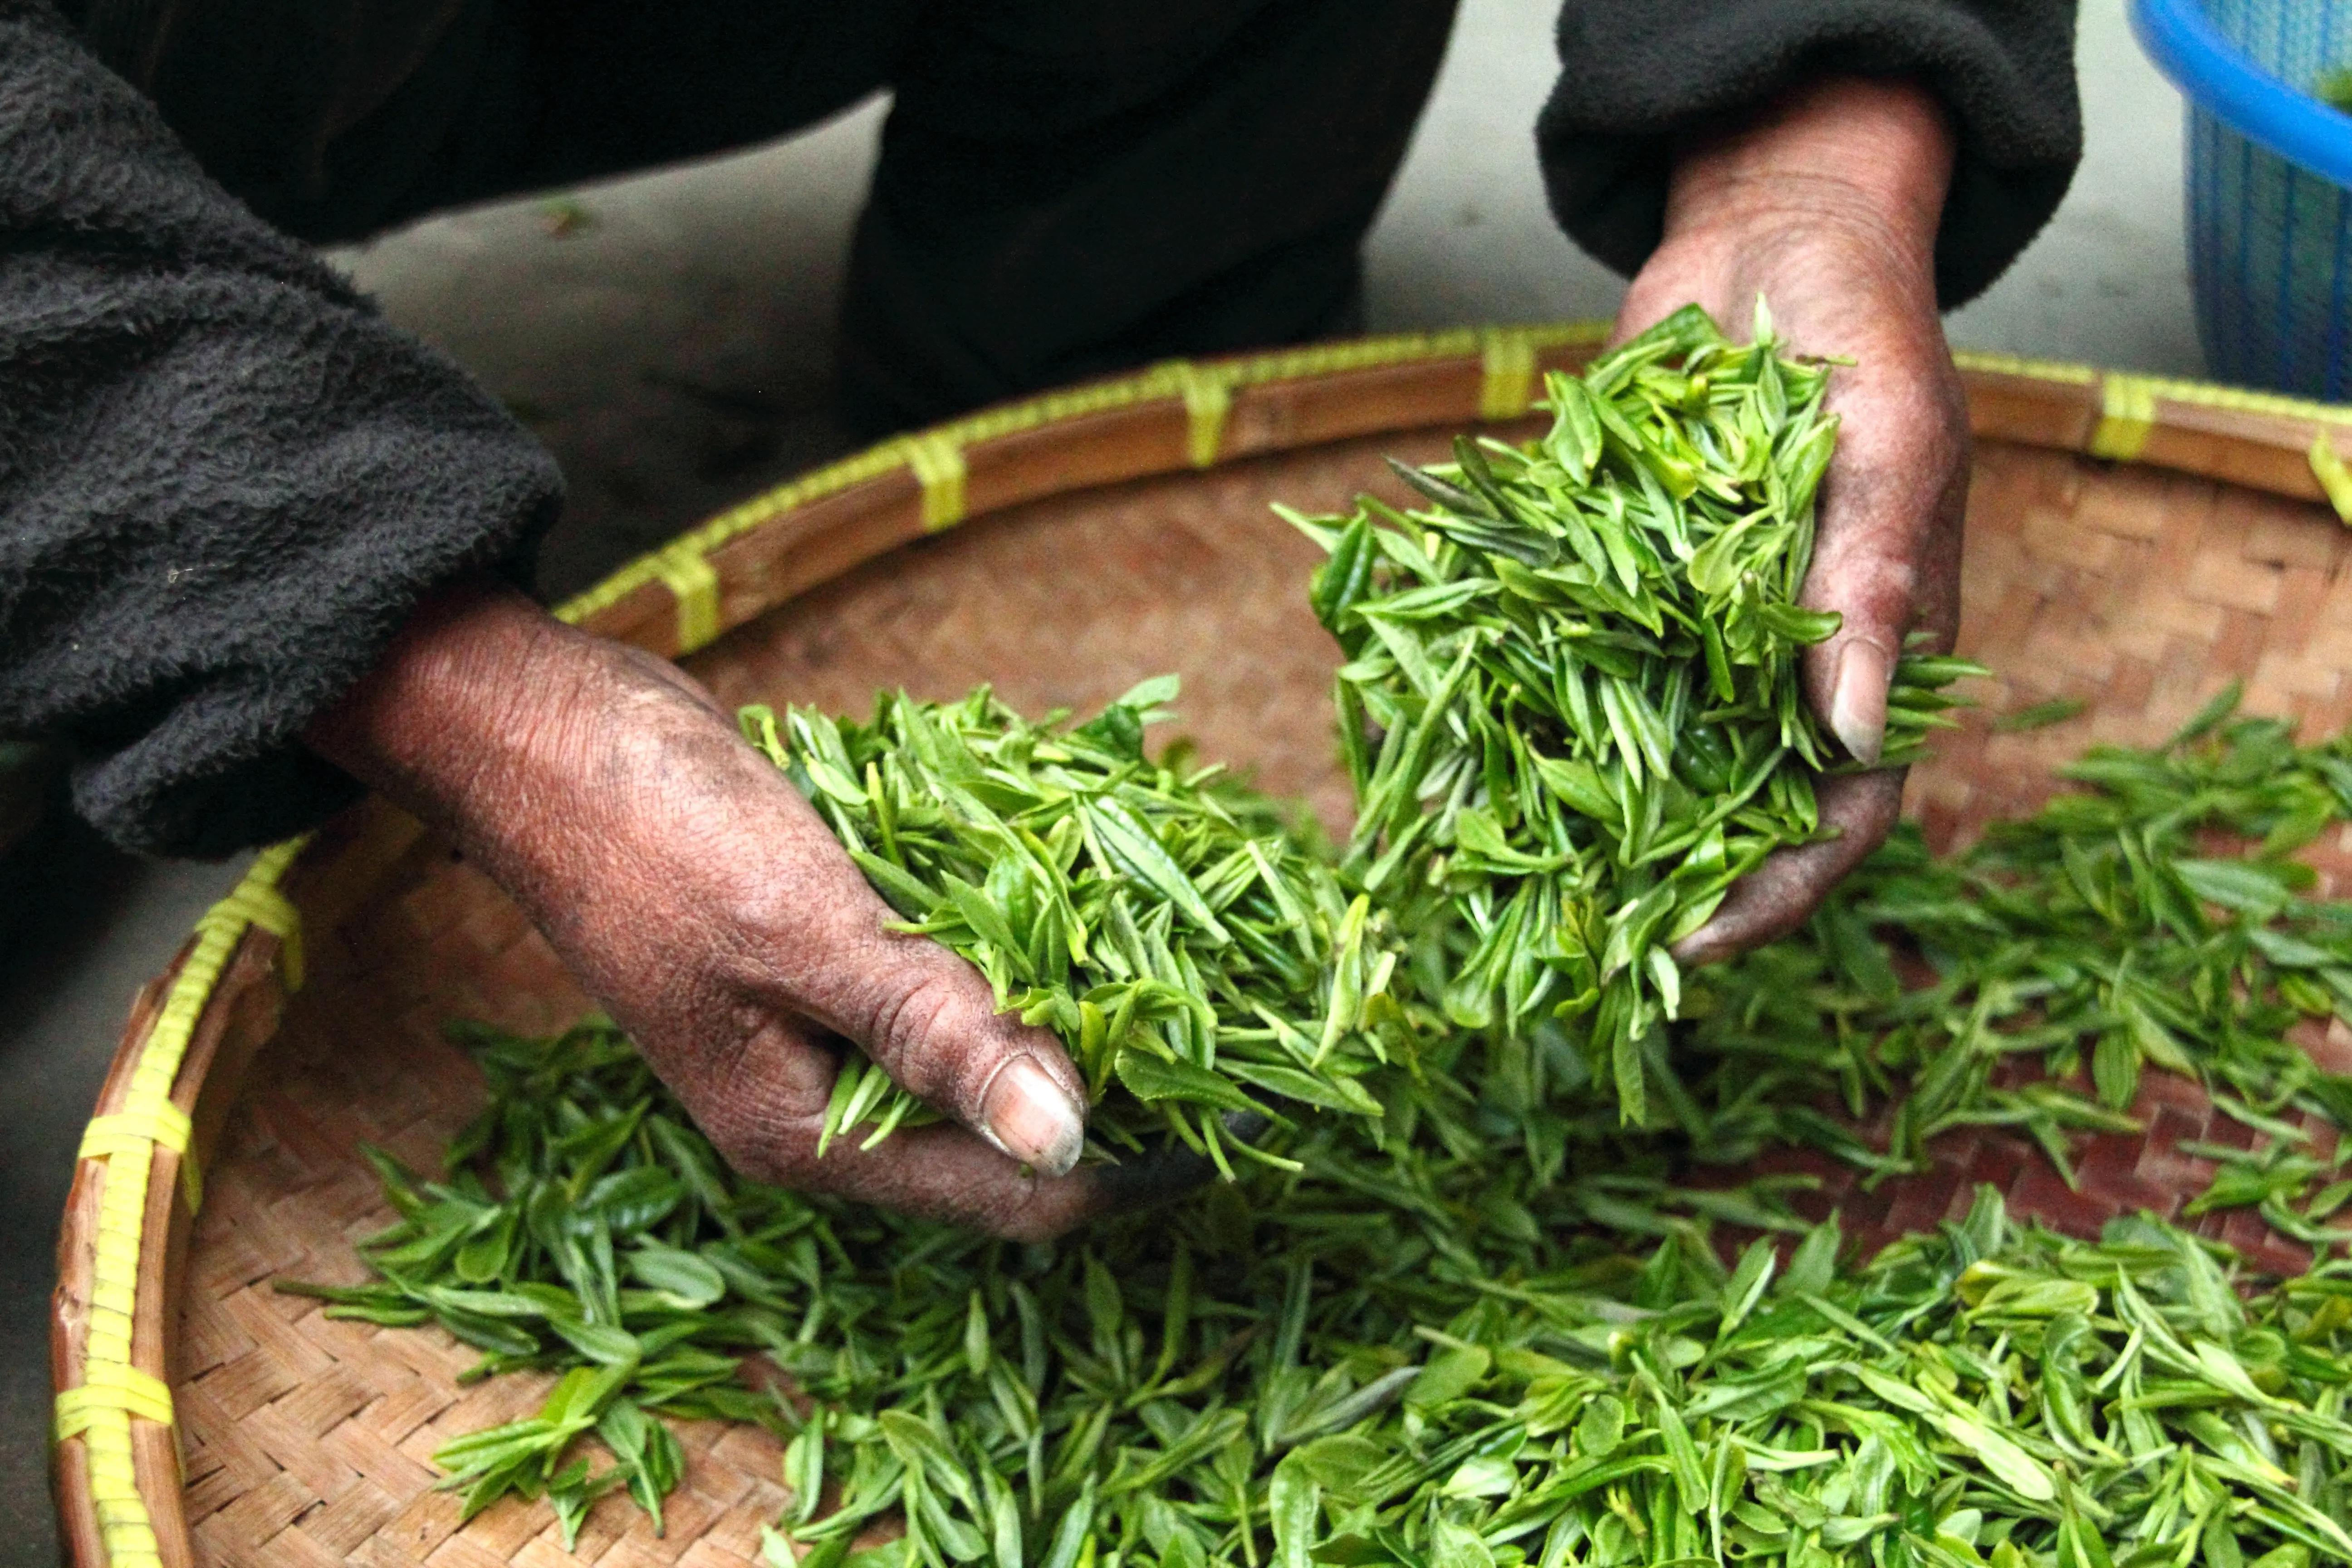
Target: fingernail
[
  {"x": 1032, "y": 1118},
  {"x": 1858, "y": 702}
]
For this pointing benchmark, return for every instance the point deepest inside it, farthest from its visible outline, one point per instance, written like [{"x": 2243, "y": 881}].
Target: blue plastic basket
[{"x": 2269, "y": 185}]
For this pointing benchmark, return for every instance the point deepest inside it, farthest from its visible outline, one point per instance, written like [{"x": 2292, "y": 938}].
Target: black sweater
[{"x": 224, "y": 480}]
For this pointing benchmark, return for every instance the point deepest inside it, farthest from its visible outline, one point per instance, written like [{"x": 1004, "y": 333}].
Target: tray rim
[{"x": 180, "y": 1062}]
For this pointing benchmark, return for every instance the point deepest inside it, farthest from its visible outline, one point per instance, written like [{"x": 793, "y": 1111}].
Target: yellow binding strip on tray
[
  {"x": 2238, "y": 400},
  {"x": 2327, "y": 468},
  {"x": 109, "y": 1388},
  {"x": 164, "y": 1125},
  {"x": 143, "y": 1121},
  {"x": 2129, "y": 398},
  {"x": 693, "y": 582},
  {"x": 1304, "y": 364},
  {"x": 1507, "y": 358},
  {"x": 2015, "y": 364},
  {"x": 113, "y": 1390},
  {"x": 261, "y": 904},
  {"x": 2126, "y": 415},
  {"x": 126, "y": 1531},
  {"x": 937, "y": 458},
  {"x": 1208, "y": 398}
]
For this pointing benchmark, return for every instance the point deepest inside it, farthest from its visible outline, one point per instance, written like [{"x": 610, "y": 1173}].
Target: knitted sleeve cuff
[{"x": 1634, "y": 75}]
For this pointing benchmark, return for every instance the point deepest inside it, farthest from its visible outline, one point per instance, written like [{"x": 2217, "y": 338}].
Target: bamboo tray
[{"x": 2130, "y": 541}]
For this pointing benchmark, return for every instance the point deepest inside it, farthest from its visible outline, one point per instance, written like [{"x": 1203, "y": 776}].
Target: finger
[
  {"x": 814, "y": 942},
  {"x": 1887, "y": 554},
  {"x": 764, "y": 1110},
  {"x": 1781, "y": 894},
  {"x": 928, "y": 1019}
]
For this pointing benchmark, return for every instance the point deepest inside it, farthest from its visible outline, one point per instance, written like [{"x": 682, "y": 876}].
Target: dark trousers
[{"x": 1066, "y": 187}]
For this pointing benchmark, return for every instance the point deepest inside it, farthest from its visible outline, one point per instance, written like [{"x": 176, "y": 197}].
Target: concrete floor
[{"x": 668, "y": 337}]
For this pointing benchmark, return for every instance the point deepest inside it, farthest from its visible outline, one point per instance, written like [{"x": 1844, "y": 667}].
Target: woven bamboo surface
[
  {"x": 302, "y": 1441},
  {"x": 306, "y": 1440},
  {"x": 2141, "y": 592}
]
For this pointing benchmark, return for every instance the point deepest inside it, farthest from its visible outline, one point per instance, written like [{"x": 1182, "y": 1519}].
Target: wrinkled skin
[
  {"x": 1827, "y": 204},
  {"x": 701, "y": 900}
]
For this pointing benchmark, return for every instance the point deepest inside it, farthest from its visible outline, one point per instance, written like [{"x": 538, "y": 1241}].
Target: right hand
[
  {"x": 697, "y": 897},
  {"x": 1827, "y": 201}
]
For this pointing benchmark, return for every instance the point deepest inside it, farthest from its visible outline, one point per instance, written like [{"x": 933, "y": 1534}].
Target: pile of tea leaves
[
  {"x": 1175, "y": 930},
  {"x": 2156, "y": 915},
  {"x": 1492, "y": 1324},
  {"x": 1415, "y": 1355},
  {"x": 1571, "y": 709},
  {"x": 1483, "y": 1310}
]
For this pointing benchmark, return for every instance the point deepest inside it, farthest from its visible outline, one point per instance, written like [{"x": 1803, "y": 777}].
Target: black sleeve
[
  {"x": 224, "y": 480},
  {"x": 1636, "y": 71}
]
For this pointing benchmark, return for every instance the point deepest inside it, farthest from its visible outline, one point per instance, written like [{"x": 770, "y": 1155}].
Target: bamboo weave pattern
[{"x": 306, "y": 1439}]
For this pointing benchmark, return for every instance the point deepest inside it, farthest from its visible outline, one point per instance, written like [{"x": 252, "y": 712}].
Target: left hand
[
  {"x": 1826, "y": 203},
  {"x": 706, "y": 905}
]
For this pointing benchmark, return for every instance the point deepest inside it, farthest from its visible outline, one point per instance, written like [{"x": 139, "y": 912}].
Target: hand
[
  {"x": 1827, "y": 204},
  {"x": 697, "y": 896}
]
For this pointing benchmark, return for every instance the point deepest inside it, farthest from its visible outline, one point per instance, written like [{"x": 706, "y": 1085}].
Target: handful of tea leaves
[
  {"x": 1580, "y": 662},
  {"x": 1403, "y": 1356},
  {"x": 1170, "y": 928}
]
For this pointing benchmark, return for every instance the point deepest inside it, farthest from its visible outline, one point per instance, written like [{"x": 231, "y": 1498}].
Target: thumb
[
  {"x": 1887, "y": 554},
  {"x": 930, "y": 1020}
]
